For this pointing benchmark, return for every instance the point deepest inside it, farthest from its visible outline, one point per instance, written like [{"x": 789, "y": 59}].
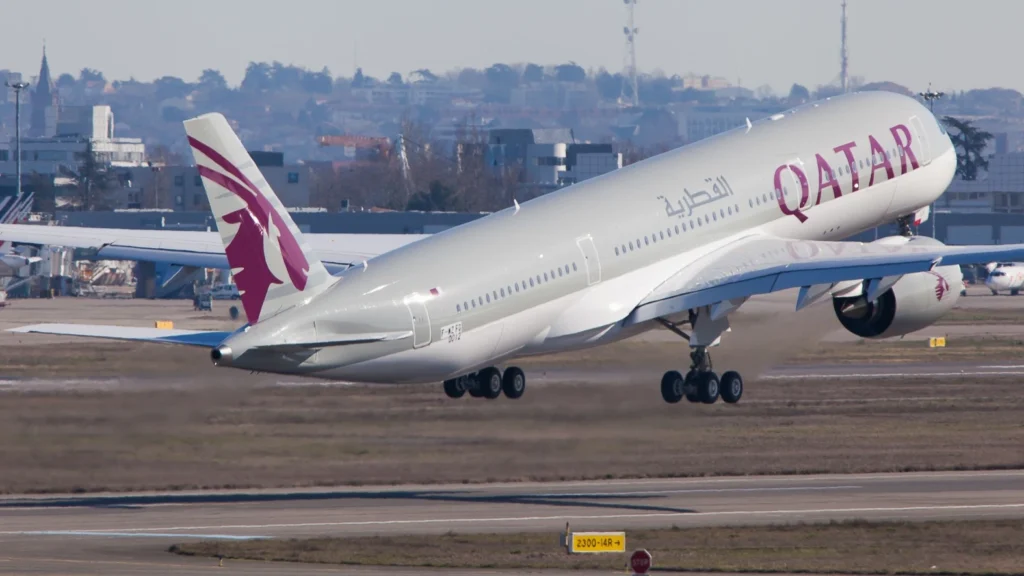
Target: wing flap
[{"x": 202, "y": 338}]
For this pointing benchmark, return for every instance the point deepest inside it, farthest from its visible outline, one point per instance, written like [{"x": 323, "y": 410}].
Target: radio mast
[
  {"x": 629, "y": 92},
  {"x": 844, "y": 76}
]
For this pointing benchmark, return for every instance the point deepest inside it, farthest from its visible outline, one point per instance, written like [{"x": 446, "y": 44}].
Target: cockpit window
[{"x": 998, "y": 273}]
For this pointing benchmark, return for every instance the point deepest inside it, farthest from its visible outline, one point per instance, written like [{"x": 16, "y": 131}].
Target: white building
[{"x": 78, "y": 129}]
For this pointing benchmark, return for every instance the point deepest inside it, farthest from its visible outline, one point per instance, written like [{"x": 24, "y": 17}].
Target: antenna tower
[
  {"x": 629, "y": 92},
  {"x": 844, "y": 76}
]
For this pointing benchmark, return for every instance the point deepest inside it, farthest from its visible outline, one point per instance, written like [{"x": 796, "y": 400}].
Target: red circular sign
[{"x": 640, "y": 561}]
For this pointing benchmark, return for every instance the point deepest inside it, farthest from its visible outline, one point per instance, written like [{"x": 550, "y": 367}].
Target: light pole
[
  {"x": 930, "y": 96},
  {"x": 17, "y": 87}
]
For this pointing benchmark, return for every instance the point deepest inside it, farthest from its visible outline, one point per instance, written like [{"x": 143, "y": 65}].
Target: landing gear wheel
[
  {"x": 489, "y": 382},
  {"x": 690, "y": 386},
  {"x": 455, "y": 388},
  {"x": 707, "y": 387},
  {"x": 513, "y": 382},
  {"x": 473, "y": 385},
  {"x": 731, "y": 387},
  {"x": 672, "y": 387}
]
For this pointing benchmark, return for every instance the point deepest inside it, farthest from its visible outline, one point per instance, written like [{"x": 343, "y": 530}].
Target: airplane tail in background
[
  {"x": 14, "y": 209},
  {"x": 272, "y": 265}
]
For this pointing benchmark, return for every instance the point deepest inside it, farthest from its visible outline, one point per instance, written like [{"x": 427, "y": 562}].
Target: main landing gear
[
  {"x": 488, "y": 383},
  {"x": 701, "y": 383}
]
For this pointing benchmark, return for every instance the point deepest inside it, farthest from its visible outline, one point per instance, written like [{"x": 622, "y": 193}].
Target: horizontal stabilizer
[{"x": 187, "y": 337}]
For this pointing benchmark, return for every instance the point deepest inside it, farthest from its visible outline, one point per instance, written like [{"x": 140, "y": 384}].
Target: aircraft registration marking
[{"x": 451, "y": 333}]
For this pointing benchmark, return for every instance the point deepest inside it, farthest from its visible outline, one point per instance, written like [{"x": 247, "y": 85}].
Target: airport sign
[
  {"x": 597, "y": 542},
  {"x": 640, "y": 562}
]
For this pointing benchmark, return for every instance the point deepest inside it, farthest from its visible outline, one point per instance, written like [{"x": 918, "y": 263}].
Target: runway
[{"x": 111, "y": 532}]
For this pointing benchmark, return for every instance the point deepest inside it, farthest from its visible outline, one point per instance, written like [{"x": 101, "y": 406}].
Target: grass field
[
  {"x": 968, "y": 547},
  {"x": 231, "y": 433}
]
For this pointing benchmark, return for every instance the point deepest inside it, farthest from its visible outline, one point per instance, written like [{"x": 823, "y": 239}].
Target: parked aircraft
[
  {"x": 1006, "y": 277},
  {"x": 678, "y": 241}
]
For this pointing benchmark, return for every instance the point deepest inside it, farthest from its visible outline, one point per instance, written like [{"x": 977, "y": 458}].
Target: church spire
[{"x": 43, "y": 98}]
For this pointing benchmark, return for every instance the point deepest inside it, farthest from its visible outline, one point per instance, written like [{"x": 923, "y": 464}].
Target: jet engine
[{"x": 914, "y": 302}]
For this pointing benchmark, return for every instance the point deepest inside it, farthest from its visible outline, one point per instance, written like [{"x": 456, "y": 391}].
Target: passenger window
[
  {"x": 458, "y": 308},
  {"x": 502, "y": 292},
  {"x": 488, "y": 298},
  {"x": 517, "y": 286},
  {"x": 662, "y": 234},
  {"x": 654, "y": 238},
  {"x": 646, "y": 243},
  {"x": 623, "y": 248},
  {"x": 474, "y": 303},
  {"x": 677, "y": 228},
  {"x": 573, "y": 266},
  {"x": 559, "y": 272},
  {"x": 730, "y": 211},
  {"x": 545, "y": 276},
  {"x": 566, "y": 268},
  {"x": 495, "y": 295},
  {"x": 691, "y": 224},
  {"x": 631, "y": 246},
  {"x": 616, "y": 250},
  {"x": 465, "y": 305},
  {"x": 715, "y": 216},
  {"x": 684, "y": 227},
  {"x": 538, "y": 278},
  {"x": 751, "y": 202},
  {"x": 531, "y": 282}
]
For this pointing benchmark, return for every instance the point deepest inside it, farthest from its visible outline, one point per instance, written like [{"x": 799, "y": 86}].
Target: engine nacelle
[{"x": 916, "y": 301}]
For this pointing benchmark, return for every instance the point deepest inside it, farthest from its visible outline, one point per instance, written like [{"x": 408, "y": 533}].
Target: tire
[
  {"x": 708, "y": 388},
  {"x": 731, "y": 387},
  {"x": 513, "y": 382},
  {"x": 454, "y": 388},
  {"x": 672, "y": 387},
  {"x": 1014, "y": 292},
  {"x": 489, "y": 382}
]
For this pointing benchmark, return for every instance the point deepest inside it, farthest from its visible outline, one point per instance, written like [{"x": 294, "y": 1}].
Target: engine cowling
[{"x": 916, "y": 301}]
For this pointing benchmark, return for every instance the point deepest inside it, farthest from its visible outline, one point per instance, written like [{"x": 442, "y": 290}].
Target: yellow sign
[
  {"x": 937, "y": 342},
  {"x": 597, "y": 542},
  {"x": 164, "y": 324}
]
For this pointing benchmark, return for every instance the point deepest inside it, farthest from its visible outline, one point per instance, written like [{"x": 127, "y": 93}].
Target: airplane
[
  {"x": 677, "y": 241},
  {"x": 1005, "y": 277}
]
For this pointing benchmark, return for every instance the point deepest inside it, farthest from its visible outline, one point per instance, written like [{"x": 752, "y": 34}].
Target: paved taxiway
[{"x": 129, "y": 532}]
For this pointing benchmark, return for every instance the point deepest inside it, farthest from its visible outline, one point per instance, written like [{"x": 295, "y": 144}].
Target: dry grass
[
  {"x": 969, "y": 547},
  {"x": 227, "y": 432},
  {"x": 181, "y": 423}
]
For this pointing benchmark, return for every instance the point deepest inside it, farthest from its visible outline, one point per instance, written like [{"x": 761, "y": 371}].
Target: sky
[{"x": 750, "y": 42}]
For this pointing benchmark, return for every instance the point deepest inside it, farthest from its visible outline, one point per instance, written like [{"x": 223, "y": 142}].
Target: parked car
[{"x": 225, "y": 292}]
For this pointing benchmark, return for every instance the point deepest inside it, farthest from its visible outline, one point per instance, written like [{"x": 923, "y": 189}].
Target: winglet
[{"x": 272, "y": 265}]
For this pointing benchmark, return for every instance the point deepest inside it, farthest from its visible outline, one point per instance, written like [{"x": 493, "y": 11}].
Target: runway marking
[
  {"x": 561, "y": 517},
  {"x": 682, "y": 491},
  {"x": 134, "y": 534},
  {"x": 877, "y": 375}
]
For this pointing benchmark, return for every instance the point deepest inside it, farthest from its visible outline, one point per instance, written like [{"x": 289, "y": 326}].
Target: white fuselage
[
  {"x": 562, "y": 271},
  {"x": 1005, "y": 278}
]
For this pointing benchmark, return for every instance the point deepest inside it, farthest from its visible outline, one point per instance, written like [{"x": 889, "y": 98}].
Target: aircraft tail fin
[
  {"x": 14, "y": 209},
  {"x": 272, "y": 264}
]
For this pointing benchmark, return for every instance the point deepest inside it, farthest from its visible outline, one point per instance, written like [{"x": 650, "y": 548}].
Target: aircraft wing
[
  {"x": 762, "y": 264},
  {"x": 194, "y": 248},
  {"x": 165, "y": 336}
]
